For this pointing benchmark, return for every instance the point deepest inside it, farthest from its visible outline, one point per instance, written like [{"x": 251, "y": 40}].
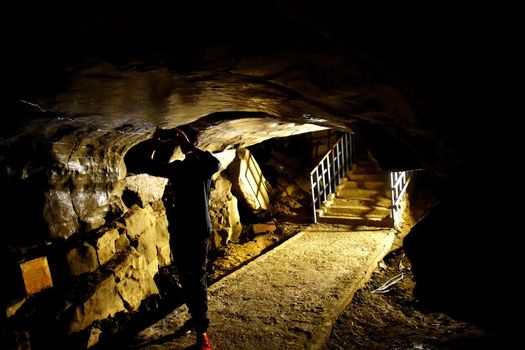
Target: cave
[{"x": 425, "y": 87}]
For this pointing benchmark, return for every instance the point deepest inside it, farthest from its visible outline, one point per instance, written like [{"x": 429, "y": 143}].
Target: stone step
[
  {"x": 363, "y": 199},
  {"x": 356, "y": 220},
  {"x": 345, "y": 212},
  {"x": 367, "y": 170},
  {"x": 361, "y": 193},
  {"x": 382, "y": 202},
  {"x": 370, "y": 185},
  {"x": 368, "y": 177},
  {"x": 371, "y": 212}
]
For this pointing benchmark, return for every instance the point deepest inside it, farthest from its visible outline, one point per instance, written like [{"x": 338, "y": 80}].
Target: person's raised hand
[{"x": 181, "y": 136}]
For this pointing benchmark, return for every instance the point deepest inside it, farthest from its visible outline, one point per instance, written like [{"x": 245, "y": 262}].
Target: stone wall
[
  {"x": 96, "y": 275},
  {"x": 97, "y": 272}
]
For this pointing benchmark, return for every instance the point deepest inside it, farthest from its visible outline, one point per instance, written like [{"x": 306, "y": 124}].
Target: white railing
[
  {"x": 331, "y": 170},
  {"x": 398, "y": 184}
]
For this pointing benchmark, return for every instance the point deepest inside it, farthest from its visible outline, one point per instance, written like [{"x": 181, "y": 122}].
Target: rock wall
[
  {"x": 249, "y": 182},
  {"x": 107, "y": 232},
  {"x": 96, "y": 275},
  {"x": 224, "y": 213}
]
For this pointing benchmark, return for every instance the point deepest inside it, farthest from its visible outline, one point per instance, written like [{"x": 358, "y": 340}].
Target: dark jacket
[
  {"x": 188, "y": 191},
  {"x": 189, "y": 181}
]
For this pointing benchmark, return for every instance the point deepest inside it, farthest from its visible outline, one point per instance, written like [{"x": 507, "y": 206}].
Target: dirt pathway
[{"x": 288, "y": 298}]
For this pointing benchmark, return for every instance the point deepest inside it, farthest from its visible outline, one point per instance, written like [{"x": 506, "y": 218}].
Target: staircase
[{"x": 362, "y": 198}]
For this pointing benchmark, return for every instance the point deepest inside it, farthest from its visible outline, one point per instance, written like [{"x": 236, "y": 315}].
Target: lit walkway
[{"x": 288, "y": 298}]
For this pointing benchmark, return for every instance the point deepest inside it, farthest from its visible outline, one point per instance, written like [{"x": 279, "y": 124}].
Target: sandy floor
[
  {"x": 385, "y": 315},
  {"x": 288, "y": 298}
]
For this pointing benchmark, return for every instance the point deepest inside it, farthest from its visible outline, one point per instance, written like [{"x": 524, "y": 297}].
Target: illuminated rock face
[
  {"x": 249, "y": 182},
  {"x": 224, "y": 213}
]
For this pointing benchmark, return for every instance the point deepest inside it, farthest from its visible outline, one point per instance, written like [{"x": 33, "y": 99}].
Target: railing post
[
  {"x": 392, "y": 196},
  {"x": 341, "y": 161},
  {"x": 314, "y": 204},
  {"x": 318, "y": 189},
  {"x": 333, "y": 182},
  {"x": 338, "y": 165},
  {"x": 327, "y": 183},
  {"x": 348, "y": 153},
  {"x": 398, "y": 184},
  {"x": 344, "y": 153},
  {"x": 324, "y": 181}
]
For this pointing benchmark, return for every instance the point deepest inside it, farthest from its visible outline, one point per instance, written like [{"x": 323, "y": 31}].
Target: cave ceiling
[{"x": 399, "y": 74}]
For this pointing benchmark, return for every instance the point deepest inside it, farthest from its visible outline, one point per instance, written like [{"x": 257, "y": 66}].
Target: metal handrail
[
  {"x": 331, "y": 170},
  {"x": 398, "y": 185},
  {"x": 333, "y": 167}
]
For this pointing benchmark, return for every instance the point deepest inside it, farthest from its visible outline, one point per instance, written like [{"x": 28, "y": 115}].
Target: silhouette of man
[{"x": 186, "y": 201}]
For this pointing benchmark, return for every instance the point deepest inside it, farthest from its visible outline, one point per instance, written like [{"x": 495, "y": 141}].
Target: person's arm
[
  {"x": 164, "y": 147},
  {"x": 206, "y": 164},
  {"x": 150, "y": 156}
]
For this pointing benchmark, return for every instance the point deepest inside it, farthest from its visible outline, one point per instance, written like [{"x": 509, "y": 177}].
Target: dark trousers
[{"x": 190, "y": 252}]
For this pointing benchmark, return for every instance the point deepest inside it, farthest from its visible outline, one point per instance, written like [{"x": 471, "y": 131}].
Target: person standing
[{"x": 186, "y": 200}]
